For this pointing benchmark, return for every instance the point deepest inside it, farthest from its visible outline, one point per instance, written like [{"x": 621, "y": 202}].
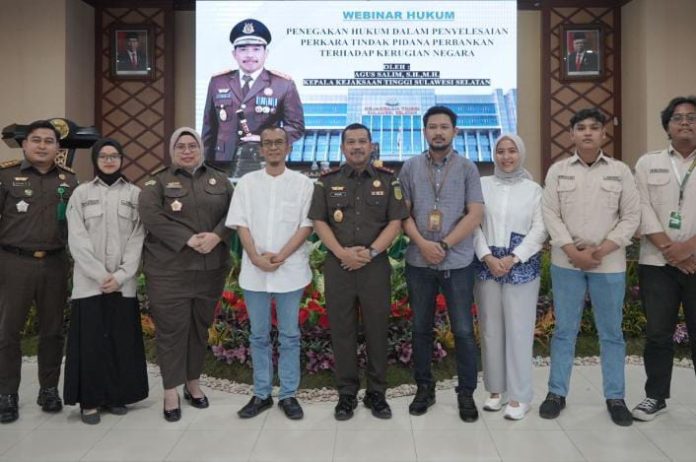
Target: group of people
[{"x": 471, "y": 239}]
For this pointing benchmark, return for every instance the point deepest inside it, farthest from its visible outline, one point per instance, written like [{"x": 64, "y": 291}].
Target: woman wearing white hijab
[{"x": 507, "y": 245}]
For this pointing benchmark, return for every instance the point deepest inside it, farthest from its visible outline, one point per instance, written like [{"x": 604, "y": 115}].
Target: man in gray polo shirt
[{"x": 443, "y": 193}]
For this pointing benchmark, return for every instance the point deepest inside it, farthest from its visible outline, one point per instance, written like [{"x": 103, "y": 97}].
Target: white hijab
[{"x": 520, "y": 172}]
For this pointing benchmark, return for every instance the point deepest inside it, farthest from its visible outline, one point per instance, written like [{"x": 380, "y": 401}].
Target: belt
[{"x": 38, "y": 254}]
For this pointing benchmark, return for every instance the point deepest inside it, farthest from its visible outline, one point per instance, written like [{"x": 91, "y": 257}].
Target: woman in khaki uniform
[{"x": 186, "y": 261}]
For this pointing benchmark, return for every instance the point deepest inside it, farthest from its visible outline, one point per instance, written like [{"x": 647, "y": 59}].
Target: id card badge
[
  {"x": 675, "y": 220},
  {"x": 435, "y": 221}
]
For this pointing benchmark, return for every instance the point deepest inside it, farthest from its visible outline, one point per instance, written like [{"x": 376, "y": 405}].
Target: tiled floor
[{"x": 583, "y": 432}]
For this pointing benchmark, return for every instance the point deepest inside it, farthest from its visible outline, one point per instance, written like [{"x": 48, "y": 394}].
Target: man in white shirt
[{"x": 269, "y": 211}]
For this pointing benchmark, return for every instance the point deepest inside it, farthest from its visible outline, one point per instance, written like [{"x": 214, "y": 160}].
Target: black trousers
[
  {"x": 663, "y": 289},
  {"x": 365, "y": 292},
  {"x": 24, "y": 280}
]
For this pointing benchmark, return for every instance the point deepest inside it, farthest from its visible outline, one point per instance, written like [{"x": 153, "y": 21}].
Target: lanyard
[
  {"x": 437, "y": 190},
  {"x": 682, "y": 182}
]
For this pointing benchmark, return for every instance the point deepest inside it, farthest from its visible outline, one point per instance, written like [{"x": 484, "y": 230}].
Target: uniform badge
[
  {"x": 223, "y": 90},
  {"x": 223, "y": 114},
  {"x": 176, "y": 206},
  {"x": 212, "y": 181},
  {"x": 28, "y": 192},
  {"x": 337, "y": 188},
  {"x": 268, "y": 91},
  {"x": 248, "y": 28},
  {"x": 22, "y": 207},
  {"x": 273, "y": 110},
  {"x": 398, "y": 195},
  {"x": 61, "y": 176},
  {"x": 338, "y": 216},
  {"x": 258, "y": 109},
  {"x": 150, "y": 183},
  {"x": 21, "y": 179},
  {"x": 376, "y": 183},
  {"x": 266, "y": 110}
]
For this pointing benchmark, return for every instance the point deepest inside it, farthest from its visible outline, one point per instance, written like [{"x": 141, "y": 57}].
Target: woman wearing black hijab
[{"x": 105, "y": 360}]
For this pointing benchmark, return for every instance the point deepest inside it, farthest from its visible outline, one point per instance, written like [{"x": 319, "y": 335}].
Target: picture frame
[
  {"x": 132, "y": 52},
  {"x": 582, "y": 52}
]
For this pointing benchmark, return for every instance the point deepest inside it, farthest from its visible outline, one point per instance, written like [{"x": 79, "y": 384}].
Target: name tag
[
  {"x": 128, "y": 204},
  {"x": 659, "y": 170},
  {"x": 566, "y": 177},
  {"x": 612, "y": 178},
  {"x": 87, "y": 203},
  {"x": 338, "y": 194}
]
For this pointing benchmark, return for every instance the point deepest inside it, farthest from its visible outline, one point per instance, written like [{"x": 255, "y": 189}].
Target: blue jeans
[
  {"x": 607, "y": 295},
  {"x": 287, "y": 309},
  {"x": 458, "y": 288}
]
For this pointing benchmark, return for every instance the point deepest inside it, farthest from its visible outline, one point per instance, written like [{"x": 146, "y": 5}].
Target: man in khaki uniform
[
  {"x": 591, "y": 209},
  {"x": 34, "y": 193},
  {"x": 357, "y": 211},
  {"x": 668, "y": 249}
]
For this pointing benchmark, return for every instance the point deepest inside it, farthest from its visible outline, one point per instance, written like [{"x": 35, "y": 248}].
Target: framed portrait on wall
[
  {"x": 132, "y": 52},
  {"x": 582, "y": 52}
]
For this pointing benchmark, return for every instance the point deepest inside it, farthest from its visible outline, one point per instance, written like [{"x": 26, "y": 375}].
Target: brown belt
[{"x": 39, "y": 254}]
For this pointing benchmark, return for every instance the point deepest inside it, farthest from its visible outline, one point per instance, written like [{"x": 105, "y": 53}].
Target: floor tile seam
[
  {"x": 645, "y": 437},
  {"x": 183, "y": 433}
]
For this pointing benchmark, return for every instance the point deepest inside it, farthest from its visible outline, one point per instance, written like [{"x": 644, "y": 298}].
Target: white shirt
[
  {"x": 273, "y": 209},
  {"x": 254, "y": 76},
  {"x": 105, "y": 236},
  {"x": 510, "y": 208}
]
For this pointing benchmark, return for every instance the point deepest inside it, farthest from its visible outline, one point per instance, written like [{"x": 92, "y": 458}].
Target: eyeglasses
[
  {"x": 183, "y": 147},
  {"x": 276, "y": 143},
  {"x": 679, "y": 118},
  {"x": 110, "y": 158}
]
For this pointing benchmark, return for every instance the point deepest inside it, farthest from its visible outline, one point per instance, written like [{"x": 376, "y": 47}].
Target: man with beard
[
  {"x": 273, "y": 227},
  {"x": 357, "y": 211},
  {"x": 241, "y": 103},
  {"x": 443, "y": 193}
]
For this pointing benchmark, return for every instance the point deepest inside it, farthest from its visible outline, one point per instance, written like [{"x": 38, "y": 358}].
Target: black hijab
[{"x": 110, "y": 178}]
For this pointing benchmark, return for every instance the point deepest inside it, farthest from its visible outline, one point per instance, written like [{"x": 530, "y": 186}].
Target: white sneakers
[
  {"x": 494, "y": 404},
  {"x": 516, "y": 413}
]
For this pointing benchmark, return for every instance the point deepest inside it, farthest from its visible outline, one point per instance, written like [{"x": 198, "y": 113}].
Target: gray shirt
[{"x": 460, "y": 186}]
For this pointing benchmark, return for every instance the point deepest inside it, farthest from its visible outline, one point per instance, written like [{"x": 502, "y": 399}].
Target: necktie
[
  {"x": 578, "y": 61},
  {"x": 245, "y": 87},
  {"x": 134, "y": 60}
]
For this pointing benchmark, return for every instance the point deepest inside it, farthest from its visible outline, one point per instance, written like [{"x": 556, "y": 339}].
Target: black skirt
[{"x": 105, "y": 356}]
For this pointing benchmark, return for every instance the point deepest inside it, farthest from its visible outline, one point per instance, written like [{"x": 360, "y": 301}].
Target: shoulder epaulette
[
  {"x": 659, "y": 151},
  {"x": 159, "y": 169},
  {"x": 10, "y": 163},
  {"x": 384, "y": 169},
  {"x": 226, "y": 71},
  {"x": 66, "y": 168},
  {"x": 280, "y": 74},
  {"x": 332, "y": 171},
  {"x": 216, "y": 168}
]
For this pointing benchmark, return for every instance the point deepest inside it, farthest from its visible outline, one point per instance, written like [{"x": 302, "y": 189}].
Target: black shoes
[
  {"x": 620, "y": 414},
  {"x": 254, "y": 407},
  {"x": 49, "y": 400},
  {"x": 291, "y": 407},
  {"x": 552, "y": 406},
  {"x": 9, "y": 408},
  {"x": 648, "y": 409},
  {"x": 173, "y": 415},
  {"x": 345, "y": 407},
  {"x": 91, "y": 418},
  {"x": 425, "y": 397},
  {"x": 467, "y": 407},
  {"x": 376, "y": 402},
  {"x": 200, "y": 403},
  {"x": 116, "y": 409}
]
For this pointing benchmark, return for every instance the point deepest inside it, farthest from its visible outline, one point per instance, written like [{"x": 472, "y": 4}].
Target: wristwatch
[
  {"x": 374, "y": 252},
  {"x": 444, "y": 245}
]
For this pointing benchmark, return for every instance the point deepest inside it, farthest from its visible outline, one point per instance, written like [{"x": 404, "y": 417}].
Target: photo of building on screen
[{"x": 395, "y": 118}]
